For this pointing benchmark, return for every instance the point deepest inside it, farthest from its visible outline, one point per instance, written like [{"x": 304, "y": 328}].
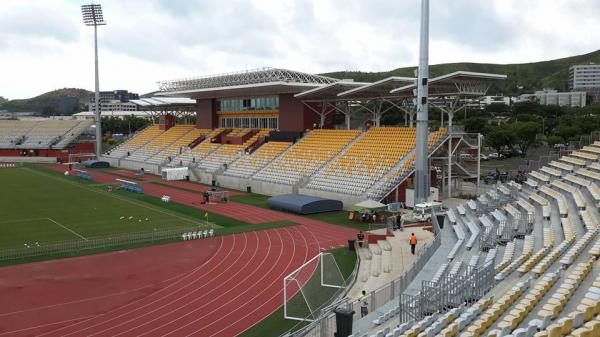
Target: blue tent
[{"x": 303, "y": 204}]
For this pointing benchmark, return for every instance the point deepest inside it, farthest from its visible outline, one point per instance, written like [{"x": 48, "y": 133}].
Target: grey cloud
[
  {"x": 22, "y": 25},
  {"x": 237, "y": 29},
  {"x": 471, "y": 23}
]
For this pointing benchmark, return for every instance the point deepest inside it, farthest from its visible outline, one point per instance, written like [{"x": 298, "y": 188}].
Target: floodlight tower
[
  {"x": 422, "y": 174},
  {"x": 92, "y": 16}
]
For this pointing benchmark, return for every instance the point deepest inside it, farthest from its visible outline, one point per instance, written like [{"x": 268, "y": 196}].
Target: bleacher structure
[
  {"x": 337, "y": 163},
  {"x": 40, "y": 134},
  {"x": 542, "y": 248}
]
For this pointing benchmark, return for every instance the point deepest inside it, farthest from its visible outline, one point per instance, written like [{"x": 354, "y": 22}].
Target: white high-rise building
[{"x": 586, "y": 77}]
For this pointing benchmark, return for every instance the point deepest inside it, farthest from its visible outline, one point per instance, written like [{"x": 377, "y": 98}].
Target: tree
[
  {"x": 499, "y": 137},
  {"x": 525, "y": 134},
  {"x": 554, "y": 140},
  {"x": 476, "y": 125}
]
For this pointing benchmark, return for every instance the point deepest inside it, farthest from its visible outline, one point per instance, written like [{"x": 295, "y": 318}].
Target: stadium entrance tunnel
[{"x": 303, "y": 204}]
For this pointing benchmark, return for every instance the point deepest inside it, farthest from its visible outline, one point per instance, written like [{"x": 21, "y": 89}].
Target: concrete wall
[
  {"x": 114, "y": 162},
  {"x": 201, "y": 176},
  {"x": 271, "y": 189},
  {"x": 234, "y": 183},
  {"x": 136, "y": 165}
]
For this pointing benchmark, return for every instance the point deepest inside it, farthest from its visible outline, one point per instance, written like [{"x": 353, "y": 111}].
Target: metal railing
[
  {"x": 75, "y": 247},
  {"x": 325, "y": 325}
]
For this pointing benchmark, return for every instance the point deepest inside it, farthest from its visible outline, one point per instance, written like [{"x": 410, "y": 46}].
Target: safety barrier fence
[{"x": 75, "y": 247}]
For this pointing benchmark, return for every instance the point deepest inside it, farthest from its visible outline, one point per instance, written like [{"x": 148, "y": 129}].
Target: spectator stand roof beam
[
  {"x": 324, "y": 100},
  {"x": 450, "y": 94},
  {"x": 374, "y": 96},
  {"x": 158, "y": 105}
]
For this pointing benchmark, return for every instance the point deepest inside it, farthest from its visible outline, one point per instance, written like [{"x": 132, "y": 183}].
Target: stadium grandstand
[
  {"x": 505, "y": 266},
  {"x": 273, "y": 131},
  {"x": 43, "y": 137}
]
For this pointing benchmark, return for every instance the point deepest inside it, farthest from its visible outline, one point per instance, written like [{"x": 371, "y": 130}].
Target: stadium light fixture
[{"x": 92, "y": 16}]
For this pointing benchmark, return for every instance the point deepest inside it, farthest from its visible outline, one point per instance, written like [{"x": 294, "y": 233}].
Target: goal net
[
  {"x": 80, "y": 157},
  {"x": 218, "y": 196},
  {"x": 311, "y": 287}
]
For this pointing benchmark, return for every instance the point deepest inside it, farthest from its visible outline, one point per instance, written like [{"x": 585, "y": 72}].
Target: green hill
[
  {"x": 523, "y": 77},
  {"x": 65, "y": 101}
]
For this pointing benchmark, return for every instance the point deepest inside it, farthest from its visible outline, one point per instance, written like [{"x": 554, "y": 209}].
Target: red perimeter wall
[{"x": 61, "y": 154}]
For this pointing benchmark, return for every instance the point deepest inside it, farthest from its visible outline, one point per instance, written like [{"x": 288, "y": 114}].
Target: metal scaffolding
[{"x": 451, "y": 291}]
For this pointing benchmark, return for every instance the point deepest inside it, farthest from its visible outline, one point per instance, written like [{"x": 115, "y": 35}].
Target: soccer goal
[
  {"x": 80, "y": 157},
  {"x": 312, "y": 286}
]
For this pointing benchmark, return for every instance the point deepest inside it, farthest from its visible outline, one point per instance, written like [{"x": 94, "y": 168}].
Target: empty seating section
[
  {"x": 365, "y": 161},
  {"x": 578, "y": 247},
  {"x": 562, "y": 166},
  {"x": 306, "y": 156},
  {"x": 393, "y": 177},
  {"x": 591, "y": 149},
  {"x": 543, "y": 202},
  {"x": 539, "y": 176},
  {"x": 179, "y": 146},
  {"x": 515, "y": 316},
  {"x": 594, "y": 166},
  {"x": 40, "y": 134},
  {"x": 509, "y": 252},
  {"x": 588, "y": 174},
  {"x": 528, "y": 246},
  {"x": 478, "y": 326},
  {"x": 47, "y": 133},
  {"x": 551, "y": 171},
  {"x": 227, "y": 153},
  {"x": 574, "y": 191},
  {"x": 138, "y": 140},
  {"x": 158, "y": 143},
  {"x": 248, "y": 165},
  {"x": 531, "y": 183},
  {"x": 563, "y": 209},
  {"x": 200, "y": 151},
  {"x": 11, "y": 131},
  {"x": 553, "y": 293},
  {"x": 584, "y": 155},
  {"x": 573, "y": 161},
  {"x": 554, "y": 306},
  {"x": 72, "y": 134}
]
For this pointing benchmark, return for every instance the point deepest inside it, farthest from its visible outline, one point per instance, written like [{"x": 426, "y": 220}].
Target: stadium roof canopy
[
  {"x": 329, "y": 91},
  {"x": 463, "y": 83},
  {"x": 379, "y": 89},
  {"x": 162, "y": 101},
  {"x": 264, "y": 81}
]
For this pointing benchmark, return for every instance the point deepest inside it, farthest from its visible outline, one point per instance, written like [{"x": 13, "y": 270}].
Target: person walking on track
[
  {"x": 364, "y": 305},
  {"x": 413, "y": 243}
]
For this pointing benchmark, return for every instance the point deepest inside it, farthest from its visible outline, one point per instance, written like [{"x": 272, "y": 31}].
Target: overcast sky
[{"x": 45, "y": 46}]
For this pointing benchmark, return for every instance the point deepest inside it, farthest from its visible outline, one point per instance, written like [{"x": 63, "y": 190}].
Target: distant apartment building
[
  {"x": 488, "y": 100},
  {"x": 553, "y": 97},
  {"x": 116, "y": 100},
  {"x": 586, "y": 77}
]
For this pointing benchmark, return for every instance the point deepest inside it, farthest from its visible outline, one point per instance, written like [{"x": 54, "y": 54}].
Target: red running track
[{"x": 212, "y": 287}]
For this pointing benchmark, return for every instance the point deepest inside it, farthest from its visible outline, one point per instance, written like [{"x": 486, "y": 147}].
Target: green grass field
[{"x": 39, "y": 205}]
